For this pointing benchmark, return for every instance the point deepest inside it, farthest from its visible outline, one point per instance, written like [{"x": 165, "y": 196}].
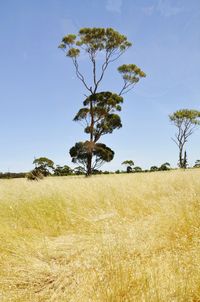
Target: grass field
[{"x": 108, "y": 238}]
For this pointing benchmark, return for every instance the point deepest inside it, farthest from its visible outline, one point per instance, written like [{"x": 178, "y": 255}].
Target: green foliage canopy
[
  {"x": 103, "y": 109},
  {"x": 101, "y": 153},
  {"x": 187, "y": 117},
  {"x": 62, "y": 171},
  {"x": 107, "y": 42},
  {"x": 44, "y": 165}
]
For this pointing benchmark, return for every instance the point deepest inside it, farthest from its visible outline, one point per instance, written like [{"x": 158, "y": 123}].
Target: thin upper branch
[
  {"x": 79, "y": 74},
  {"x": 124, "y": 88}
]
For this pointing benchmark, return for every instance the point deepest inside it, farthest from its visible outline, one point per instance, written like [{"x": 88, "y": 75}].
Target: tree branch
[{"x": 79, "y": 75}]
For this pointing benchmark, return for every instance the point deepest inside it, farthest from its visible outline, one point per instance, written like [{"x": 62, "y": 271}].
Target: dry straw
[{"x": 108, "y": 238}]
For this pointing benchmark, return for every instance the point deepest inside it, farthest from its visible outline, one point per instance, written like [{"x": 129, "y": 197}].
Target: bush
[
  {"x": 106, "y": 172},
  {"x": 34, "y": 175}
]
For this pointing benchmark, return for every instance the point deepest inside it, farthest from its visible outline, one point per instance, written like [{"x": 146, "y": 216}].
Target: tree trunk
[
  {"x": 90, "y": 152},
  {"x": 181, "y": 157},
  {"x": 185, "y": 160},
  {"x": 89, "y": 165}
]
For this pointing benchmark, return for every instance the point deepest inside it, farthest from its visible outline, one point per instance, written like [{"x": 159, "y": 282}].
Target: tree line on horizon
[{"x": 45, "y": 167}]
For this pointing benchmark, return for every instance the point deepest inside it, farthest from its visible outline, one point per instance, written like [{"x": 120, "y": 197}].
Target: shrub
[{"x": 34, "y": 175}]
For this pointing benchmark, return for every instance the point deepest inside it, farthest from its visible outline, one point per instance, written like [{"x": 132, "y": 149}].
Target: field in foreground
[{"x": 109, "y": 238}]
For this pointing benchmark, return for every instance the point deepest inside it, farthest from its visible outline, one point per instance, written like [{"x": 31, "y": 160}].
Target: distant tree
[
  {"x": 186, "y": 121},
  {"x": 164, "y": 167},
  {"x": 79, "y": 170},
  {"x": 102, "y": 46},
  {"x": 129, "y": 169},
  {"x": 137, "y": 169},
  {"x": 96, "y": 172},
  {"x": 197, "y": 163},
  {"x": 62, "y": 171},
  {"x": 106, "y": 172},
  {"x": 44, "y": 165},
  {"x": 129, "y": 165},
  {"x": 153, "y": 169}
]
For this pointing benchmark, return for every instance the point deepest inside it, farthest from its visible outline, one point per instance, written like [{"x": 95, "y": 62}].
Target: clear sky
[{"x": 39, "y": 93}]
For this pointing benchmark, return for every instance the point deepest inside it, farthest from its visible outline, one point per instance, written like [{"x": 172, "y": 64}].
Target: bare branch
[
  {"x": 118, "y": 56},
  {"x": 79, "y": 75},
  {"x": 123, "y": 90},
  {"x": 103, "y": 69},
  {"x": 175, "y": 141}
]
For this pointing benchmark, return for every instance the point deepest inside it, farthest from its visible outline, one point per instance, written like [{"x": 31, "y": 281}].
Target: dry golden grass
[{"x": 108, "y": 238}]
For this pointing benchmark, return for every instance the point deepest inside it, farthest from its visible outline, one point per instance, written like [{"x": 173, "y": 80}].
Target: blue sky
[{"x": 40, "y": 94}]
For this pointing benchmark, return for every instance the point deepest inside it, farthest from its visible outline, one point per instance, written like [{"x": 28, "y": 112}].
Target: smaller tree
[
  {"x": 129, "y": 164},
  {"x": 137, "y": 169},
  {"x": 186, "y": 121},
  {"x": 44, "y": 165},
  {"x": 197, "y": 163},
  {"x": 164, "y": 167},
  {"x": 153, "y": 169},
  {"x": 62, "y": 171},
  {"x": 79, "y": 170}
]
